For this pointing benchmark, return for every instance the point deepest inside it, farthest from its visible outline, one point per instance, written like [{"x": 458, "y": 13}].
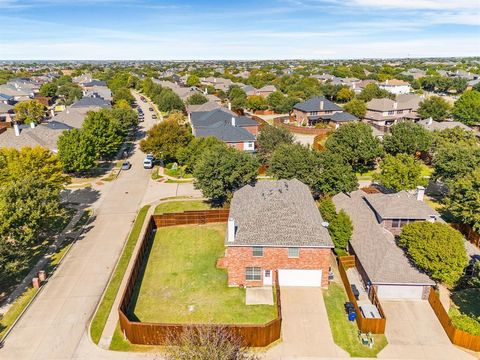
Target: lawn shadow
[
  {"x": 467, "y": 302},
  {"x": 80, "y": 198}
]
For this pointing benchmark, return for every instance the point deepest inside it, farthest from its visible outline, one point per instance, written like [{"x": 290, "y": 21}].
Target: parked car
[
  {"x": 148, "y": 163},
  {"x": 126, "y": 165},
  {"x": 150, "y": 157},
  {"x": 143, "y": 99},
  {"x": 154, "y": 116},
  {"x": 150, "y": 108}
]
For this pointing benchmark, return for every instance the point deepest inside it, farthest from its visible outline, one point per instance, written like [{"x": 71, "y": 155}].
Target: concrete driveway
[
  {"x": 414, "y": 332},
  {"x": 305, "y": 329}
]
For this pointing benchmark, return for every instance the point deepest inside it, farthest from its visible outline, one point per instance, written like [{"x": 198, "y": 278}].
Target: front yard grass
[
  {"x": 181, "y": 283},
  {"x": 101, "y": 316},
  {"x": 179, "y": 206},
  {"x": 345, "y": 333},
  {"x": 465, "y": 310}
]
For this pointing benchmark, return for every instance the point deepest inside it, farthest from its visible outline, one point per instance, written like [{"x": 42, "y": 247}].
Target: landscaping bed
[
  {"x": 345, "y": 333},
  {"x": 181, "y": 284}
]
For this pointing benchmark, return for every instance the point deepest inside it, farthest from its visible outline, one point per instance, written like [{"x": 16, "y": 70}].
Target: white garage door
[
  {"x": 291, "y": 277},
  {"x": 399, "y": 292}
]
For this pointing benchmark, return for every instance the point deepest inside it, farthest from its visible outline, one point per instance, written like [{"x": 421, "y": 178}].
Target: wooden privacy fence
[
  {"x": 375, "y": 326},
  {"x": 470, "y": 234},
  {"x": 144, "y": 333},
  {"x": 456, "y": 336}
]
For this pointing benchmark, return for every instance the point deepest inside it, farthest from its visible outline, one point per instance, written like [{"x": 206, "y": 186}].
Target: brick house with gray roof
[
  {"x": 319, "y": 109},
  {"x": 377, "y": 219},
  {"x": 276, "y": 226}
]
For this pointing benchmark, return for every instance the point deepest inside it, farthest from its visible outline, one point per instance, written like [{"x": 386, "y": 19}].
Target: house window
[
  {"x": 391, "y": 112},
  {"x": 293, "y": 252},
  {"x": 257, "y": 251},
  {"x": 399, "y": 111},
  {"x": 253, "y": 273},
  {"x": 313, "y": 112},
  {"x": 328, "y": 111},
  {"x": 395, "y": 223},
  {"x": 403, "y": 222},
  {"x": 249, "y": 145}
]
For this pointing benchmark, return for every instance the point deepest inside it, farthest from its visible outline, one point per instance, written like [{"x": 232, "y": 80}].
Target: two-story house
[
  {"x": 275, "y": 226},
  {"x": 319, "y": 109},
  {"x": 396, "y": 87}
]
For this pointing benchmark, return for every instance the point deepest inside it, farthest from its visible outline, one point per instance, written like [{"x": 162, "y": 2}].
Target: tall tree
[
  {"x": 193, "y": 80},
  {"x": 104, "y": 132},
  {"x": 29, "y": 111},
  {"x": 356, "y": 107},
  {"x": 400, "y": 172},
  {"x": 222, "y": 170},
  {"x": 197, "y": 99},
  {"x": 434, "y": 107},
  {"x": 335, "y": 175},
  {"x": 190, "y": 154},
  {"x": 467, "y": 108},
  {"x": 269, "y": 139},
  {"x": 345, "y": 94},
  {"x": 169, "y": 101},
  {"x": 454, "y": 161},
  {"x": 237, "y": 97},
  {"x": 256, "y": 102},
  {"x": 340, "y": 230},
  {"x": 407, "y": 138},
  {"x": 76, "y": 151},
  {"x": 356, "y": 144}
]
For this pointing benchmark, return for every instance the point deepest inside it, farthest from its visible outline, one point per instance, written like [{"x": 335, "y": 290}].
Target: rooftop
[{"x": 315, "y": 104}]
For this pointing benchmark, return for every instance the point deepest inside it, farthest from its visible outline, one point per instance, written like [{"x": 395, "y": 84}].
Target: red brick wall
[
  {"x": 238, "y": 258},
  {"x": 251, "y": 129}
]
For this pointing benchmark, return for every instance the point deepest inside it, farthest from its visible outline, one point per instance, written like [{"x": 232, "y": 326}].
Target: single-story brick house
[
  {"x": 237, "y": 131},
  {"x": 276, "y": 226},
  {"x": 376, "y": 219}
]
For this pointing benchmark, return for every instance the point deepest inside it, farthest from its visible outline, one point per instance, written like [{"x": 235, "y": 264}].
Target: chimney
[
  {"x": 233, "y": 121},
  {"x": 321, "y": 105},
  {"x": 420, "y": 193},
  {"x": 395, "y": 105},
  {"x": 229, "y": 106},
  {"x": 231, "y": 230},
  {"x": 429, "y": 121},
  {"x": 16, "y": 129},
  {"x": 32, "y": 124},
  {"x": 205, "y": 91},
  {"x": 386, "y": 82}
]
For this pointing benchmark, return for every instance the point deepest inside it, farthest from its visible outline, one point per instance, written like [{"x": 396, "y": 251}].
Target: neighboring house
[
  {"x": 415, "y": 73},
  {"x": 319, "y": 109},
  {"x": 266, "y": 90},
  {"x": 323, "y": 78},
  {"x": 217, "y": 83},
  {"x": 74, "y": 115},
  {"x": 92, "y": 102},
  {"x": 6, "y": 99},
  {"x": 396, "y": 87},
  {"x": 383, "y": 113},
  {"x": 208, "y": 106},
  {"x": 249, "y": 90},
  {"x": 17, "y": 93},
  {"x": 93, "y": 83},
  {"x": 184, "y": 92},
  {"x": 276, "y": 226},
  {"x": 99, "y": 91},
  {"x": 358, "y": 86},
  {"x": 237, "y": 131},
  {"x": 82, "y": 79},
  {"x": 44, "y": 135},
  {"x": 381, "y": 263},
  {"x": 6, "y": 113},
  {"x": 432, "y": 125}
]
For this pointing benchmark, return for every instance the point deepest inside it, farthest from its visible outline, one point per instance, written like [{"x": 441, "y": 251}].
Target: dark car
[
  {"x": 126, "y": 165},
  {"x": 154, "y": 116},
  {"x": 150, "y": 108}
]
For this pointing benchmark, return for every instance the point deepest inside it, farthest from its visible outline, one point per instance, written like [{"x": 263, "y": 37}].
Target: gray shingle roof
[
  {"x": 73, "y": 117},
  {"x": 442, "y": 125},
  {"x": 277, "y": 213},
  {"x": 313, "y": 104},
  {"x": 400, "y": 205},
  {"x": 95, "y": 83},
  {"x": 88, "y": 102},
  {"x": 224, "y": 131},
  {"x": 375, "y": 247},
  {"x": 208, "y": 106},
  {"x": 42, "y": 135},
  {"x": 203, "y": 119}
]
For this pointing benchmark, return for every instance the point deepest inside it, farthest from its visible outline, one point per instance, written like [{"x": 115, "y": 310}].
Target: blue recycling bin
[{"x": 352, "y": 315}]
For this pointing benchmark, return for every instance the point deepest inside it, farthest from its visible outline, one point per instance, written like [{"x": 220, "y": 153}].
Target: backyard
[
  {"x": 179, "y": 206},
  {"x": 181, "y": 283},
  {"x": 465, "y": 310},
  {"x": 345, "y": 333}
]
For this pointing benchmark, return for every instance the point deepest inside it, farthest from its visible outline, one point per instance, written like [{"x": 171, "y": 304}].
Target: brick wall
[
  {"x": 238, "y": 258},
  {"x": 251, "y": 129}
]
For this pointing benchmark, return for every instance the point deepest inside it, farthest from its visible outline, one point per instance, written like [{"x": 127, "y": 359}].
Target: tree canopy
[
  {"x": 407, "y": 138},
  {"x": 434, "y": 107},
  {"x": 193, "y": 80},
  {"x": 256, "y": 102},
  {"x": 436, "y": 248},
  {"x": 197, "y": 99},
  {"x": 400, "y": 172},
  {"x": 29, "y": 111},
  {"x": 467, "y": 108},
  {"x": 454, "y": 161},
  {"x": 356, "y": 107},
  {"x": 269, "y": 139}
]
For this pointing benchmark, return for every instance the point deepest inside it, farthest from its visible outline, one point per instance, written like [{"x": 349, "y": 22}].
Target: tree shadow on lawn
[{"x": 467, "y": 302}]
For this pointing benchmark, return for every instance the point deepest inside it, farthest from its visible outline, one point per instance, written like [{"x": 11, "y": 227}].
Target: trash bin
[{"x": 352, "y": 316}]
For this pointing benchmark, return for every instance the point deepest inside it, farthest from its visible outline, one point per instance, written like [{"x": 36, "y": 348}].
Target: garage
[
  {"x": 294, "y": 277},
  {"x": 400, "y": 292}
]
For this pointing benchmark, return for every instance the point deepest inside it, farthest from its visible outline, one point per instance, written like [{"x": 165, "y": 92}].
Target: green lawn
[
  {"x": 368, "y": 175},
  {"x": 101, "y": 316},
  {"x": 179, "y": 206},
  {"x": 465, "y": 311},
  {"x": 181, "y": 283},
  {"x": 345, "y": 333}
]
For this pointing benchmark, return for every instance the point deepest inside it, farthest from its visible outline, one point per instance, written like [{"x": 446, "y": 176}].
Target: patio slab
[{"x": 259, "y": 296}]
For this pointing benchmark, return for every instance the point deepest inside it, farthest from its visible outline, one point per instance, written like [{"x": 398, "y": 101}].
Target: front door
[{"x": 267, "y": 277}]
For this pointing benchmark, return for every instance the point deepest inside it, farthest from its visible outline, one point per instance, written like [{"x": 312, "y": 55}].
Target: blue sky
[{"x": 261, "y": 29}]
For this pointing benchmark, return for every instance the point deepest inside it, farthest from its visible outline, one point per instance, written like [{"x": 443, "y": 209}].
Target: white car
[{"x": 148, "y": 163}]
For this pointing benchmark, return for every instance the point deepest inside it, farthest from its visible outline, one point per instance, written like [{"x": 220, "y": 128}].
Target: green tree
[
  {"x": 237, "y": 97},
  {"x": 454, "y": 161},
  {"x": 467, "y": 108},
  {"x": 190, "y": 154},
  {"x": 356, "y": 144},
  {"x": 223, "y": 170},
  {"x": 334, "y": 175},
  {"x": 197, "y": 99},
  {"x": 340, "y": 230},
  {"x": 372, "y": 91},
  {"x": 436, "y": 248},
  {"x": 455, "y": 135},
  {"x": 400, "y": 172},
  {"x": 275, "y": 100},
  {"x": 256, "y": 102},
  {"x": 48, "y": 89},
  {"x": 269, "y": 139},
  {"x": 29, "y": 111},
  {"x": 407, "y": 138},
  {"x": 165, "y": 139},
  {"x": 193, "y": 80},
  {"x": 286, "y": 106},
  {"x": 463, "y": 199},
  {"x": 104, "y": 132},
  {"x": 327, "y": 209},
  {"x": 356, "y": 107},
  {"x": 169, "y": 101},
  {"x": 122, "y": 104},
  {"x": 289, "y": 161},
  {"x": 434, "y": 107},
  {"x": 345, "y": 94},
  {"x": 123, "y": 93},
  {"x": 69, "y": 93},
  {"x": 76, "y": 151}
]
